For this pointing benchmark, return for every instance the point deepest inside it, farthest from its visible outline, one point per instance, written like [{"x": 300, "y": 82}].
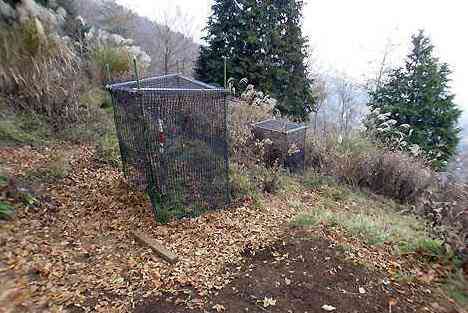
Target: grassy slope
[{"x": 364, "y": 222}]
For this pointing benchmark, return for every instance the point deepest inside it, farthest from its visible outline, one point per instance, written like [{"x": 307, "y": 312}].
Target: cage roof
[
  {"x": 280, "y": 125},
  {"x": 166, "y": 82}
]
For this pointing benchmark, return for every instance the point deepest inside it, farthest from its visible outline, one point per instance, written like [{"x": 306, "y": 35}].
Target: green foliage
[
  {"x": 11, "y": 133},
  {"x": 6, "y": 210},
  {"x": 374, "y": 222},
  {"x": 94, "y": 98},
  {"x": 97, "y": 124},
  {"x": 457, "y": 288},
  {"x": 262, "y": 42},
  {"x": 20, "y": 43},
  {"x": 107, "y": 149},
  {"x": 338, "y": 193},
  {"x": 32, "y": 37},
  {"x": 418, "y": 95},
  {"x": 269, "y": 178},
  {"x": 23, "y": 128},
  {"x": 432, "y": 247},
  {"x": 315, "y": 180},
  {"x": 240, "y": 183}
]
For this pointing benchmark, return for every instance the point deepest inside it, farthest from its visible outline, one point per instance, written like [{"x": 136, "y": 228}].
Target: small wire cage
[
  {"x": 172, "y": 134},
  {"x": 288, "y": 142}
]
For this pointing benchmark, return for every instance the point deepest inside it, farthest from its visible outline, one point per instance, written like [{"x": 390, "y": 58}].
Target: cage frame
[
  {"x": 137, "y": 89},
  {"x": 283, "y": 141}
]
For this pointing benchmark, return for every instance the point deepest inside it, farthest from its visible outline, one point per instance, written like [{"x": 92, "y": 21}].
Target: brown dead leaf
[{"x": 219, "y": 307}]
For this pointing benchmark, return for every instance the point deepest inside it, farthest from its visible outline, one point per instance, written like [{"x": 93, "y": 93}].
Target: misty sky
[{"x": 350, "y": 36}]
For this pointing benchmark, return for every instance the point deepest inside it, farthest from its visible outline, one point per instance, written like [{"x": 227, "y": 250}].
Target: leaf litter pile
[{"x": 75, "y": 250}]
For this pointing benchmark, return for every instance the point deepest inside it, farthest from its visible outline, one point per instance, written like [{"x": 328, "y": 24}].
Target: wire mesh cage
[
  {"x": 172, "y": 134},
  {"x": 288, "y": 142}
]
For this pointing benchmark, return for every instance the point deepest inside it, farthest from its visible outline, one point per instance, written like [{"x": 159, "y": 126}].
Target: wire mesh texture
[
  {"x": 288, "y": 142},
  {"x": 172, "y": 134}
]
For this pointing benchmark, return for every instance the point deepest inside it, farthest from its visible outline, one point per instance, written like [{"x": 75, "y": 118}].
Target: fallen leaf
[
  {"x": 268, "y": 302},
  {"x": 391, "y": 303},
  {"x": 219, "y": 307},
  {"x": 328, "y": 307}
]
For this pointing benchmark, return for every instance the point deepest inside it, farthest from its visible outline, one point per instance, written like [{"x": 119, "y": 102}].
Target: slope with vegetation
[
  {"x": 362, "y": 210},
  {"x": 73, "y": 249}
]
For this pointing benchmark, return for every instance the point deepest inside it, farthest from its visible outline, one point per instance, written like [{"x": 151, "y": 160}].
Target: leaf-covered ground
[
  {"x": 74, "y": 252},
  {"x": 304, "y": 272}
]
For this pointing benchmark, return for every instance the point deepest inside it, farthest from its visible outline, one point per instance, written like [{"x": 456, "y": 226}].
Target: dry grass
[
  {"x": 374, "y": 222},
  {"x": 39, "y": 74},
  {"x": 241, "y": 140},
  {"x": 359, "y": 163}
]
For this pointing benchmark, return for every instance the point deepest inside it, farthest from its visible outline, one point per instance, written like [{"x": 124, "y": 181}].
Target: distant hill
[
  {"x": 464, "y": 134},
  {"x": 168, "y": 49},
  {"x": 459, "y": 166}
]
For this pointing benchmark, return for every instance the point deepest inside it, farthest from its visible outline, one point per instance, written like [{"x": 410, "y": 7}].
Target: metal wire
[
  {"x": 173, "y": 140},
  {"x": 288, "y": 140}
]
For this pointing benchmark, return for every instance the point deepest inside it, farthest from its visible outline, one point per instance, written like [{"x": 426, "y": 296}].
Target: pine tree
[
  {"x": 222, "y": 37},
  {"x": 263, "y": 42},
  {"x": 418, "y": 95},
  {"x": 288, "y": 51}
]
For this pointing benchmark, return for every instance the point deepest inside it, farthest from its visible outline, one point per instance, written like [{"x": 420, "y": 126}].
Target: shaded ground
[{"x": 302, "y": 274}]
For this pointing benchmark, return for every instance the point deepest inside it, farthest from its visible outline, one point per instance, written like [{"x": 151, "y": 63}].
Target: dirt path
[{"x": 303, "y": 274}]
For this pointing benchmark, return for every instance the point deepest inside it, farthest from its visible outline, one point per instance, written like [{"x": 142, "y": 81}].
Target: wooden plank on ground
[{"x": 156, "y": 246}]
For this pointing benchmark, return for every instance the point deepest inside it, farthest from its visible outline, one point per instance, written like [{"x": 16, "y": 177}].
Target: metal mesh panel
[
  {"x": 288, "y": 142},
  {"x": 173, "y": 140}
]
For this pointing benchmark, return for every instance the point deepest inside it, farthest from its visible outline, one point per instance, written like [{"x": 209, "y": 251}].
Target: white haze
[{"x": 350, "y": 36}]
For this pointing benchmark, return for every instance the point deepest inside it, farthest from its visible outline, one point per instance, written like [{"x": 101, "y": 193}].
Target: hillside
[
  {"x": 459, "y": 166},
  {"x": 165, "y": 43},
  {"x": 310, "y": 221},
  {"x": 70, "y": 244},
  {"x": 83, "y": 257}
]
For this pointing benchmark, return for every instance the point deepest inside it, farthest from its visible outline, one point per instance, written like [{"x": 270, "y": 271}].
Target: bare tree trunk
[
  {"x": 315, "y": 123},
  {"x": 174, "y": 35},
  {"x": 166, "y": 63}
]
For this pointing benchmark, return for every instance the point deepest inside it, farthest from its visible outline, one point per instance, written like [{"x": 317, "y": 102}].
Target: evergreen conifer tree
[
  {"x": 223, "y": 31},
  {"x": 418, "y": 95},
  {"x": 288, "y": 50},
  {"x": 263, "y": 42}
]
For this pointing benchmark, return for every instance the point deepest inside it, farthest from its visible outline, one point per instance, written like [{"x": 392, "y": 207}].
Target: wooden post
[
  {"x": 135, "y": 68},
  {"x": 156, "y": 246},
  {"x": 108, "y": 74},
  {"x": 225, "y": 72}
]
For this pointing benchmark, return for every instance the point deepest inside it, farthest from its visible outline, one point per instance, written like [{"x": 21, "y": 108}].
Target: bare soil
[{"x": 302, "y": 274}]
